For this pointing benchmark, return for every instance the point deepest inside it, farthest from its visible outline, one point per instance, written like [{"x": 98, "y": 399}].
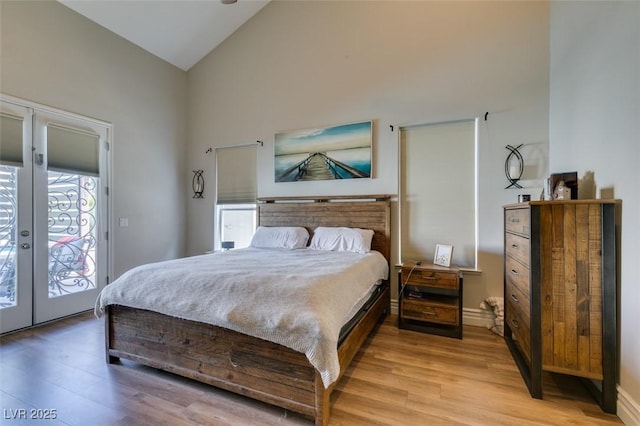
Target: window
[
  {"x": 438, "y": 191},
  {"x": 236, "y": 196},
  {"x": 237, "y": 224}
]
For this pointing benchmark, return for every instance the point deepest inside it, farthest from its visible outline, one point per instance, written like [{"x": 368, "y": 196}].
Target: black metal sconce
[
  {"x": 514, "y": 166},
  {"x": 197, "y": 184}
]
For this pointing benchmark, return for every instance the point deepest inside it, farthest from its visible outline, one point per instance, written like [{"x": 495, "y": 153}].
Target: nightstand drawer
[
  {"x": 517, "y": 247},
  {"x": 431, "y": 311},
  {"x": 430, "y": 278},
  {"x": 517, "y": 220}
]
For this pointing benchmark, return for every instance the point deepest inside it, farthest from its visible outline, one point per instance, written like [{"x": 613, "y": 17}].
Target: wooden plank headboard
[{"x": 366, "y": 212}]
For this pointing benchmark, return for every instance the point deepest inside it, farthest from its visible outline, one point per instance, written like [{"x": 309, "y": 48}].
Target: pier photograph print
[{"x": 336, "y": 152}]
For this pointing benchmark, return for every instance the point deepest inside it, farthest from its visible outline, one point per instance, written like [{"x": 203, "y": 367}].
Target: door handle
[
  {"x": 24, "y": 233},
  {"x": 25, "y": 246}
]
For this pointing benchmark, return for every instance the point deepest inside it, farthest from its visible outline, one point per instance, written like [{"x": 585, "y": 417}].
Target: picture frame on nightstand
[{"x": 443, "y": 255}]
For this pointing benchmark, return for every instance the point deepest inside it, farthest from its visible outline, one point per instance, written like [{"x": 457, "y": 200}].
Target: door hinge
[
  {"x": 106, "y": 190},
  {"x": 106, "y": 146},
  {"x": 106, "y": 235},
  {"x": 107, "y": 279}
]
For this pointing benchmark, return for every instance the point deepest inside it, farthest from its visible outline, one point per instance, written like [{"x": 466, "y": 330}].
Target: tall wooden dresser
[{"x": 560, "y": 290}]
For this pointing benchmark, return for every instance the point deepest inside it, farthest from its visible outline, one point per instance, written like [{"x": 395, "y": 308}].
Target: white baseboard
[
  {"x": 628, "y": 410},
  {"x": 478, "y": 317},
  {"x": 394, "y": 307}
]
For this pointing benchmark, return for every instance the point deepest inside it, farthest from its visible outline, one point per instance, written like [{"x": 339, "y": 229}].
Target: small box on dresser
[
  {"x": 560, "y": 289},
  {"x": 430, "y": 299}
]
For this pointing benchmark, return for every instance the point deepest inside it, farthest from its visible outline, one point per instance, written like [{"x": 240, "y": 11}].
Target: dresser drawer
[
  {"x": 519, "y": 329},
  {"x": 430, "y": 278},
  {"x": 517, "y": 220},
  {"x": 519, "y": 301},
  {"x": 431, "y": 311},
  {"x": 518, "y": 247},
  {"x": 518, "y": 274}
]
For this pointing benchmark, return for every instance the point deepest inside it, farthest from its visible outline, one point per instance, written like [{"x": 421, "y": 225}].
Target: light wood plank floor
[{"x": 398, "y": 378}]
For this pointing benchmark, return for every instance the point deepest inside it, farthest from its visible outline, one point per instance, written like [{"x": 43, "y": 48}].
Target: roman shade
[
  {"x": 10, "y": 140},
  {"x": 72, "y": 150},
  {"x": 438, "y": 187},
  {"x": 236, "y": 175}
]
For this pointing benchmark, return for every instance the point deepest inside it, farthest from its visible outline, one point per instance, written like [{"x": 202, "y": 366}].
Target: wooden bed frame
[{"x": 246, "y": 365}]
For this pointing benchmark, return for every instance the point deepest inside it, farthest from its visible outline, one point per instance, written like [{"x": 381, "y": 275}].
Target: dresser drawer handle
[
  {"x": 515, "y": 323},
  {"x": 429, "y": 313},
  {"x": 515, "y": 246},
  {"x": 515, "y": 220},
  {"x": 515, "y": 298},
  {"x": 428, "y": 278},
  {"x": 514, "y": 272}
]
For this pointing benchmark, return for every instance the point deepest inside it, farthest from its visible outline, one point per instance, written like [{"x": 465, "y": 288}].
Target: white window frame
[{"x": 220, "y": 208}]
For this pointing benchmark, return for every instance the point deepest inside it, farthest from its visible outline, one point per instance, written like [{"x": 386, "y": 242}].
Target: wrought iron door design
[
  {"x": 8, "y": 228},
  {"x": 72, "y": 226}
]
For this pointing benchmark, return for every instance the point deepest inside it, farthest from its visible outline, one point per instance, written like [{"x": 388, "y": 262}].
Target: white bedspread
[{"x": 297, "y": 298}]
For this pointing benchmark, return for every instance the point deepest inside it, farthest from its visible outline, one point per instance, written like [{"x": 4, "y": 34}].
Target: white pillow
[
  {"x": 342, "y": 239},
  {"x": 290, "y": 237}
]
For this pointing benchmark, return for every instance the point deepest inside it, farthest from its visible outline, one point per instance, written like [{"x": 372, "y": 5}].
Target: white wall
[
  {"x": 306, "y": 64},
  {"x": 298, "y": 65},
  {"x": 595, "y": 128},
  {"x": 56, "y": 57}
]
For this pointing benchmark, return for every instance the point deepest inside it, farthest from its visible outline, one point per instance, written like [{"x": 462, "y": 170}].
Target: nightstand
[{"x": 430, "y": 299}]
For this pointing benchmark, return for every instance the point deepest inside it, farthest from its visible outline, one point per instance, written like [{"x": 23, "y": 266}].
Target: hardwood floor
[{"x": 399, "y": 377}]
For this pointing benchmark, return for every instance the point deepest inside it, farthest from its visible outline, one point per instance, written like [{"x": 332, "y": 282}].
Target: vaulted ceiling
[{"x": 179, "y": 31}]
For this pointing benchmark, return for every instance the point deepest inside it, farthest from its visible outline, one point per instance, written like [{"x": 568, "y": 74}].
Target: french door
[{"x": 53, "y": 214}]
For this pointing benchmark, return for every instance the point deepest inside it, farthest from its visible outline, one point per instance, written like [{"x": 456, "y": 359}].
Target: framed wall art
[{"x": 329, "y": 153}]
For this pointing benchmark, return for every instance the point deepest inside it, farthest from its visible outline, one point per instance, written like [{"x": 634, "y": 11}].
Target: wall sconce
[
  {"x": 514, "y": 166},
  {"x": 227, "y": 245},
  {"x": 197, "y": 184}
]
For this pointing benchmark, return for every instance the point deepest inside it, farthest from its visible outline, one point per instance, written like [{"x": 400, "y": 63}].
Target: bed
[{"x": 252, "y": 366}]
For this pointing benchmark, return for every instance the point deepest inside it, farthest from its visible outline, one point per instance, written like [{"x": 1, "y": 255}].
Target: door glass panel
[
  {"x": 8, "y": 221},
  {"x": 72, "y": 226}
]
